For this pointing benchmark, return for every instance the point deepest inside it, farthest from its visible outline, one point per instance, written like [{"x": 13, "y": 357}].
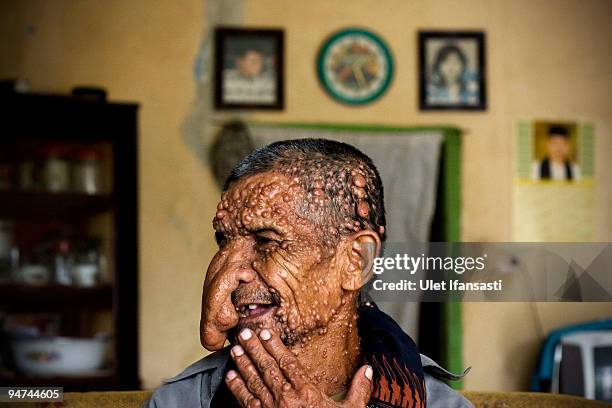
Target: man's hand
[{"x": 270, "y": 376}]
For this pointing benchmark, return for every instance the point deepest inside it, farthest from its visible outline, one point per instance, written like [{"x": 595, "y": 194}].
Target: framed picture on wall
[
  {"x": 355, "y": 66},
  {"x": 249, "y": 68},
  {"x": 452, "y": 70}
]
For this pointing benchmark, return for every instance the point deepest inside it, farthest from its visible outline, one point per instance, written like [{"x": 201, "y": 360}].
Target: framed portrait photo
[
  {"x": 452, "y": 70},
  {"x": 249, "y": 68}
]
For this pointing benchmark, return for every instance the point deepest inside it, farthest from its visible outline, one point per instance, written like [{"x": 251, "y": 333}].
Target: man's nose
[
  {"x": 245, "y": 273},
  {"x": 239, "y": 263}
]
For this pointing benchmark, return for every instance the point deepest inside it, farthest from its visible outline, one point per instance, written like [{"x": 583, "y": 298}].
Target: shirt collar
[{"x": 212, "y": 361}]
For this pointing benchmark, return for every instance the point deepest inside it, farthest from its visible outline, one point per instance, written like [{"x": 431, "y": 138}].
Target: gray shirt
[{"x": 196, "y": 385}]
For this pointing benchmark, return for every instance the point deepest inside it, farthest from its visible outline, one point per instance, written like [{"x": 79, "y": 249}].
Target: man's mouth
[
  {"x": 253, "y": 309},
  {"x": 253, "y": 303}
]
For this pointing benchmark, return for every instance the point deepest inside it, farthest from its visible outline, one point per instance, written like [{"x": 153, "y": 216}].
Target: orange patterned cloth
[{"x": 398, "y": 372}]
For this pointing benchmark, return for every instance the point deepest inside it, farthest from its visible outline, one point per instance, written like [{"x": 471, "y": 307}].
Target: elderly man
[{"x": 298, "y": 226}]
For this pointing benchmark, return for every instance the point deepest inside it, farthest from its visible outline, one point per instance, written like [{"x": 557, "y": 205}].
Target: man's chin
[{"x": 257, "y": 326}]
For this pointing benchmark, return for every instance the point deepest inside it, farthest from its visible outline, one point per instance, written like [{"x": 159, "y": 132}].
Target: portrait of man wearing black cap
[{"x": 556, "y": 164}]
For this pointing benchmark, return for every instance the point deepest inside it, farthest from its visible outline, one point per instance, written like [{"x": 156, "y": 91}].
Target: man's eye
[{"x": 262, "y": 240}]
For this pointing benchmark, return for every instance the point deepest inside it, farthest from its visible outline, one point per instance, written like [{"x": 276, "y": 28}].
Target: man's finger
[
  {"x": 263, "y": 361},
  {"x": 361, "y": 388},
  {"x": 240, "y": 391},
  {"x": 251, "y": 377},
  {"x": 286, "y": 360}
]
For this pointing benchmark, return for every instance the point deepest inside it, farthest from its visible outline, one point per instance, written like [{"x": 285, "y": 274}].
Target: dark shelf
[
  {"x": 18, "y": 297},
  {"x": 41, "y": 204},
  {"x": 58, "y": 117},
  {"x": 29, "y": 120}
]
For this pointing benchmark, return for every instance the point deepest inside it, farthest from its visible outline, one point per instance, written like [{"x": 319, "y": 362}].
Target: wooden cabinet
[{"x": 111, "y": 214}]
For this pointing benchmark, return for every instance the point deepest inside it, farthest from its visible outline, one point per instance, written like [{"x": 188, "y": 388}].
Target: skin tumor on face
[{"x": 274, "y": 269}]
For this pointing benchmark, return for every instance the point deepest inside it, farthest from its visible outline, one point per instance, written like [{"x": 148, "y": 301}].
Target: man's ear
[{"x": 362, "y": 248}]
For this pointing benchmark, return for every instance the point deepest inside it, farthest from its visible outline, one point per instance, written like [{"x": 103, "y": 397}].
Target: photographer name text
[{"x": 431, "y": 285}]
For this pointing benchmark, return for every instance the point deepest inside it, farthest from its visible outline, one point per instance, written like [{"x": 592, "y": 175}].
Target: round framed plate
[{"x": 355, "y": 66}]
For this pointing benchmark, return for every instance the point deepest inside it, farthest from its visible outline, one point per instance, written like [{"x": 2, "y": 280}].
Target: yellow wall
[{"x": 547, "y": 59}]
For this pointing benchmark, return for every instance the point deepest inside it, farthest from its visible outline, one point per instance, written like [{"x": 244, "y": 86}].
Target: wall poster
[{"x": 554, "y": 195}]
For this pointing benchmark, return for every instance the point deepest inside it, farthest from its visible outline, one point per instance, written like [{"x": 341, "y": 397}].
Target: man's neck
[{"x": 331, "y": 358}]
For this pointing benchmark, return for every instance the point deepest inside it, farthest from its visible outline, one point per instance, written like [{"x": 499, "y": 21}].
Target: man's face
[
  {"x": 272, "y": 269},
  {"x": 250, "y": 65},
  {"x": 558, "y": 148}
]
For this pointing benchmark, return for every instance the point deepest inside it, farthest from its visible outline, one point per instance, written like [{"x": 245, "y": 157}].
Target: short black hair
[
  {"x": 330, "y": 166},
  {"x": 558, "y": 131}
]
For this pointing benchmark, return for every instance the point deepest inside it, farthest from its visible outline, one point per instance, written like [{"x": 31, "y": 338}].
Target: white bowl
[{"x": 59, "y": 356}]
